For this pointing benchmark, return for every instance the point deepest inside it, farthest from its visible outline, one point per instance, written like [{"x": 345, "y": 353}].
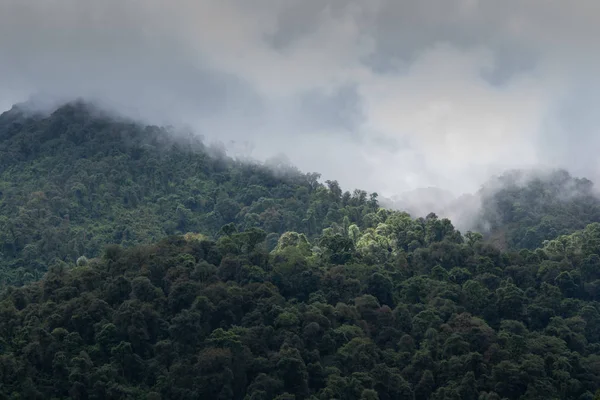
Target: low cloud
[{"x": 383, "y": 95}]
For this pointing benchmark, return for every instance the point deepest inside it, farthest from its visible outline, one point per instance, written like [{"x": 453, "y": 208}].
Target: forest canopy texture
[{"x": 139, "y": 263}]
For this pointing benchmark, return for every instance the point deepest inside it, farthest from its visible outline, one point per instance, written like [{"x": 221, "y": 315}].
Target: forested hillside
[
  {"x": 174, "y": 272},
  {"x": 518, "y": 209},
  {"x": 523, "y": 209},
  {"x": 77, "y": 180},
  {"x": 406, "y": 310}
]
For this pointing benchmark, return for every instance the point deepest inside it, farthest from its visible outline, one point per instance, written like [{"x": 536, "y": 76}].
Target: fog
[{"x": 383, "y": 95}]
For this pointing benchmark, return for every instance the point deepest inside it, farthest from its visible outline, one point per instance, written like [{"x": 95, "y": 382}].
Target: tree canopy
[{"x": 139, "y": 264}]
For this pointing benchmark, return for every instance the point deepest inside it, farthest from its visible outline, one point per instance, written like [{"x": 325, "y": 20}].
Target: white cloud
[{"x": 448, "y": 91}]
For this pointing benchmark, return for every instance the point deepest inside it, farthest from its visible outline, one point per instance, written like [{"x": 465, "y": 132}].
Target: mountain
[
  {"x": 408, "y": 310},
  {"x": 231, "y": 280},
  {"x": 516, "y": 210},
  {"x": 522, "y": 209},
  {"x": 77, "y": 180}
]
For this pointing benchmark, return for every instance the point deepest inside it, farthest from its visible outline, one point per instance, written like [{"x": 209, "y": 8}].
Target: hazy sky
[{"x": 385, "y": 95}]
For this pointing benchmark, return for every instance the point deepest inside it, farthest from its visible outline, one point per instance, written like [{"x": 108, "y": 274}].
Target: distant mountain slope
[
  {"x": 523, "y": 209},
  {"x": 519, "y": 209},
  {"x": 76, "y": 180}
]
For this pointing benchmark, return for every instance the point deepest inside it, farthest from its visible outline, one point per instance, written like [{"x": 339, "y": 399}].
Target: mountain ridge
[
  {"x": 140, "y": 266},
  {"x": 76, "y": 179}
]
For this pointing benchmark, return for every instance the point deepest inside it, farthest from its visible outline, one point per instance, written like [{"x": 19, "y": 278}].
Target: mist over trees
[
  {"x": 523, "y": 209},
  {"x": 138, "y": 264}
]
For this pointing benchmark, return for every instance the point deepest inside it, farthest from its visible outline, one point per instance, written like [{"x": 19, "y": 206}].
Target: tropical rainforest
[{"x": 137, "y": 262}]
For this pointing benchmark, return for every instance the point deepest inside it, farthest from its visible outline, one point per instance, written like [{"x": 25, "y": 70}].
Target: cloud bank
[{"x": 385, "y": 95}]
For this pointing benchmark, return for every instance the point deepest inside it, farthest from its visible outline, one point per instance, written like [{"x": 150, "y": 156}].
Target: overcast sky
[{"x": 385, "y": 95}]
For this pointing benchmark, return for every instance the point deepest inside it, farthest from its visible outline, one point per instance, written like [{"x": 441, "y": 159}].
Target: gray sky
[{"x": 385, "y": 95}]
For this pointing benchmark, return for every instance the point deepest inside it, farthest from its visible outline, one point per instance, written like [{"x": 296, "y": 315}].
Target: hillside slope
[
  {"x": 409, "y": 310},
  {"x": 237, "y": 281},
  {"x": 77, "y": 180},
  {"x": 516, "y": 210},
  {"x": 523, "y": 209}
]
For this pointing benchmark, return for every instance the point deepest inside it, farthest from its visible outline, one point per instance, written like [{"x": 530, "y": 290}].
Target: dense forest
[
  {"x": 76, "y": 180},
  {"x": 522, "y": 209},
  {"x": 139, "y": 263}
]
